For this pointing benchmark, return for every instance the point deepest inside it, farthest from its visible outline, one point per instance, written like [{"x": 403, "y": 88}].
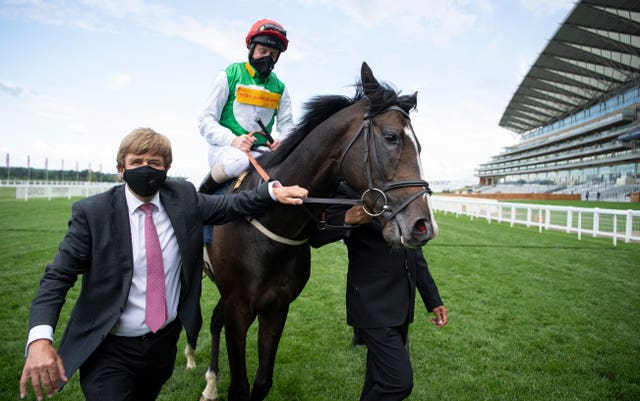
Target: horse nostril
[{"x": 421, "y": 226}]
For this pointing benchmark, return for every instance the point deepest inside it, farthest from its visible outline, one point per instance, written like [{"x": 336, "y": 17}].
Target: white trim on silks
[{"x": 264, "y": 230}]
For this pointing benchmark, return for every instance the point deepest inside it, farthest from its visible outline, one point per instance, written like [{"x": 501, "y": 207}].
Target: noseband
[{"x": 370, "y": 153}]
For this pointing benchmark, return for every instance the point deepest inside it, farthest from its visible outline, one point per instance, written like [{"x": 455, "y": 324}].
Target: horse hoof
[
  {"x": 191, "y": 365},
  {"x": 203, "y": 398}
]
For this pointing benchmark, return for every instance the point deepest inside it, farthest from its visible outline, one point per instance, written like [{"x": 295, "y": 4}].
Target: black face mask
[
  {"x": 144, "y": 181},
  {"x": 262, "y": 65}
]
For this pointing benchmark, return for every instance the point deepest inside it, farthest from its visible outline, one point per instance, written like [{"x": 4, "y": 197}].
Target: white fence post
[
  {"x": 629, "y": 227},
  {"x": 540, "y": 218},
  {"x": 547, "y": 218},
  {"x": 513, "y": 215},
  {"x": 579, "y": 225}
]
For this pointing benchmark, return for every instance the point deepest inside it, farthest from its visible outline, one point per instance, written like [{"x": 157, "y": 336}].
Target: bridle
[
  {"x": 367, "y": 132},
  {"x": 370, "y": 153}
]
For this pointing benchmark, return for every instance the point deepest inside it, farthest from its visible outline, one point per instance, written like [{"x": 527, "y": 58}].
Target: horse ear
[
  {"x": 369, "y": 82},
  {"x": 413, "y": 100},
  {"x": 408, "y": 102}
]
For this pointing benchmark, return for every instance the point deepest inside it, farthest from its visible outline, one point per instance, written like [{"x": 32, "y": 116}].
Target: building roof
[{"x": 594, "y": 53}]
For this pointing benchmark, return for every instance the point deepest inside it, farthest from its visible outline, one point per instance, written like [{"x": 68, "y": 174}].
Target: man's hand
[
  {"x": 356, "y": 215},
  {"x": 243, "y": 142},
  {"x": 44, "y": 367},
  {"x": 290, "y": 195},
  {"x": 441, "y": 317}
]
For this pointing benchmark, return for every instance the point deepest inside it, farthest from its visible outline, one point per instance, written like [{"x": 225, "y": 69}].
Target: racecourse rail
[
  {"x": 621, "y": 225},
  {"x": 609, "y": 223},
  {"x": 48, "y": 189}
]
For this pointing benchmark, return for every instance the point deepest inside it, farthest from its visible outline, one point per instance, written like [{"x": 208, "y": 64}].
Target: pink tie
[{"x": 156, "y": 309}]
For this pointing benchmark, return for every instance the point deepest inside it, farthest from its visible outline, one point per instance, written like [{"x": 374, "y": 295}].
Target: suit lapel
[
  {"x": 121, "y": 234},
  {"x": 178, "y": 221}
]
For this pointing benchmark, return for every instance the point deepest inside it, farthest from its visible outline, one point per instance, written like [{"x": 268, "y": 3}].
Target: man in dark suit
[
  {"x": 109, "y": 337},
  {"x": 381, "y": 286}
]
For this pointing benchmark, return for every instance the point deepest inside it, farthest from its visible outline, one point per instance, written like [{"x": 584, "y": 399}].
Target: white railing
[
  {"x": 60, "y": 190},
  {"x": 609, "y": 223}
]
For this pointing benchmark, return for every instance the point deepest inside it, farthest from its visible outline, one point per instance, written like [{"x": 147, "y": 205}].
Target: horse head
[{"x": 392, "y": 186}]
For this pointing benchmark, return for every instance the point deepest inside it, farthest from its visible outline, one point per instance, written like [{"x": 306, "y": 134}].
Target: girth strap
[{"x": 264, "y": 230}]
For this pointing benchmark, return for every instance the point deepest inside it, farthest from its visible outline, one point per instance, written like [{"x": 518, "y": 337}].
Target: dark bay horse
[{"x": 261, "y": 266}]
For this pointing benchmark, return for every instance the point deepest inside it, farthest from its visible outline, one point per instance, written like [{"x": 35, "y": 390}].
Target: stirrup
[{"x": 207, "y": 271}]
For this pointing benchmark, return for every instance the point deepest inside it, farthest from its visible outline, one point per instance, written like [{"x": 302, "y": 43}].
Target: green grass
[
  {"x": 7, "y": 193},
  {"x": 533, "y": 316}
]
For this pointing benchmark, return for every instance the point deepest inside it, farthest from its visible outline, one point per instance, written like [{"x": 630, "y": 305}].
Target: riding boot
[{"x": 209, "y": 186}]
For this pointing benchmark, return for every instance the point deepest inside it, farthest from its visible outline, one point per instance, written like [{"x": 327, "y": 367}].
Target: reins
[
  {"x": 263, "y": 174},
  {"x": 253, "y": 160}
]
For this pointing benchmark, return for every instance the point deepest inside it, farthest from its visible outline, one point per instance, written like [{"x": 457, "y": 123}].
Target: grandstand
[{"x": 576, "y": 111}]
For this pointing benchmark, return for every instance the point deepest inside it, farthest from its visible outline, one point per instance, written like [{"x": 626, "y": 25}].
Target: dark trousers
[
  {"x": 130, "y": 368},
  {"x": 389, "y": 375}
]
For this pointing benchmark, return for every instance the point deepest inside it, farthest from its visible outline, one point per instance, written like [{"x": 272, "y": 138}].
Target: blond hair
[{"x": 145, "y": 140}]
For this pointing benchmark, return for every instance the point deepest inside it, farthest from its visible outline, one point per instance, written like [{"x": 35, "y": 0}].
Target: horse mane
[{"x": 380, "y": 95}]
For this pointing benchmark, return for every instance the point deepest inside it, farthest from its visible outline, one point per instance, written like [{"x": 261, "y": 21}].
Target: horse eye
[{"x": 390, "y": 137}]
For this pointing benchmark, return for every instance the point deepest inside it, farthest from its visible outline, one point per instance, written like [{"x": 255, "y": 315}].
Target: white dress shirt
[{"x": 131, "y": 322}]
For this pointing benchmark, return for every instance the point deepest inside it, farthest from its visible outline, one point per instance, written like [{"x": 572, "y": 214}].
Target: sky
[{"x": 77, "y": 76}]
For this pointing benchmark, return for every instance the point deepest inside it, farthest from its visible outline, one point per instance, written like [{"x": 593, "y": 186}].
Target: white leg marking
[
  {"x": 190, "y": 353},
  {"x": 211, "y": 391}
]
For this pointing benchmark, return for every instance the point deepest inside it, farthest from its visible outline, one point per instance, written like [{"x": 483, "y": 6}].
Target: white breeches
[{"x": 227, "y": 162}]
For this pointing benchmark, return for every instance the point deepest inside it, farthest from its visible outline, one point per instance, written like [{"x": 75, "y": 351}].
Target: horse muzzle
[
  {"x": 422, "y": 232},
  {"x": 413, "y": 235}
]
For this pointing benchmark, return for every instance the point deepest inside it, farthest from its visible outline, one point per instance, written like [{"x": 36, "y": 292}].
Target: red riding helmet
[{"x": 269, "y": 33}]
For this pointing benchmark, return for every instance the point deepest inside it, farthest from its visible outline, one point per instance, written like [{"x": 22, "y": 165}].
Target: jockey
[{"x": 244, "y": 96}]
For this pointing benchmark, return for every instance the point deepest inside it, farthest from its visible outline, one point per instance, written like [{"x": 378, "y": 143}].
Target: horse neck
[{"x": 315, "y": 163}]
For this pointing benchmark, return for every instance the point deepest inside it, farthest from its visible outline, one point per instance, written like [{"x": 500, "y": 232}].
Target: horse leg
[
  {"x": 270, "y": 330},
  {"x": 190, "y": 354},
  {"x": 237, "y": 321},
  {"x": 210, "y": 393}
]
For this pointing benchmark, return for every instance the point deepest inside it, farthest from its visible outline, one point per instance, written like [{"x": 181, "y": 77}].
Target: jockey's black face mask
[{"x": 263, "y": 65}]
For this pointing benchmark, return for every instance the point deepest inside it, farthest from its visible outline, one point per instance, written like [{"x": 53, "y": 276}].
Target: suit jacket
[
  {"x": 381, "y": 282},
  {"x": 98, "y": 246}
]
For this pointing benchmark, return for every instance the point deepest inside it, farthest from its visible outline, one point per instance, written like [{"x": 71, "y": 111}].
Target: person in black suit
[
  {"x": 381, "y": 286},
  {"x": 107, "y": 338}
]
